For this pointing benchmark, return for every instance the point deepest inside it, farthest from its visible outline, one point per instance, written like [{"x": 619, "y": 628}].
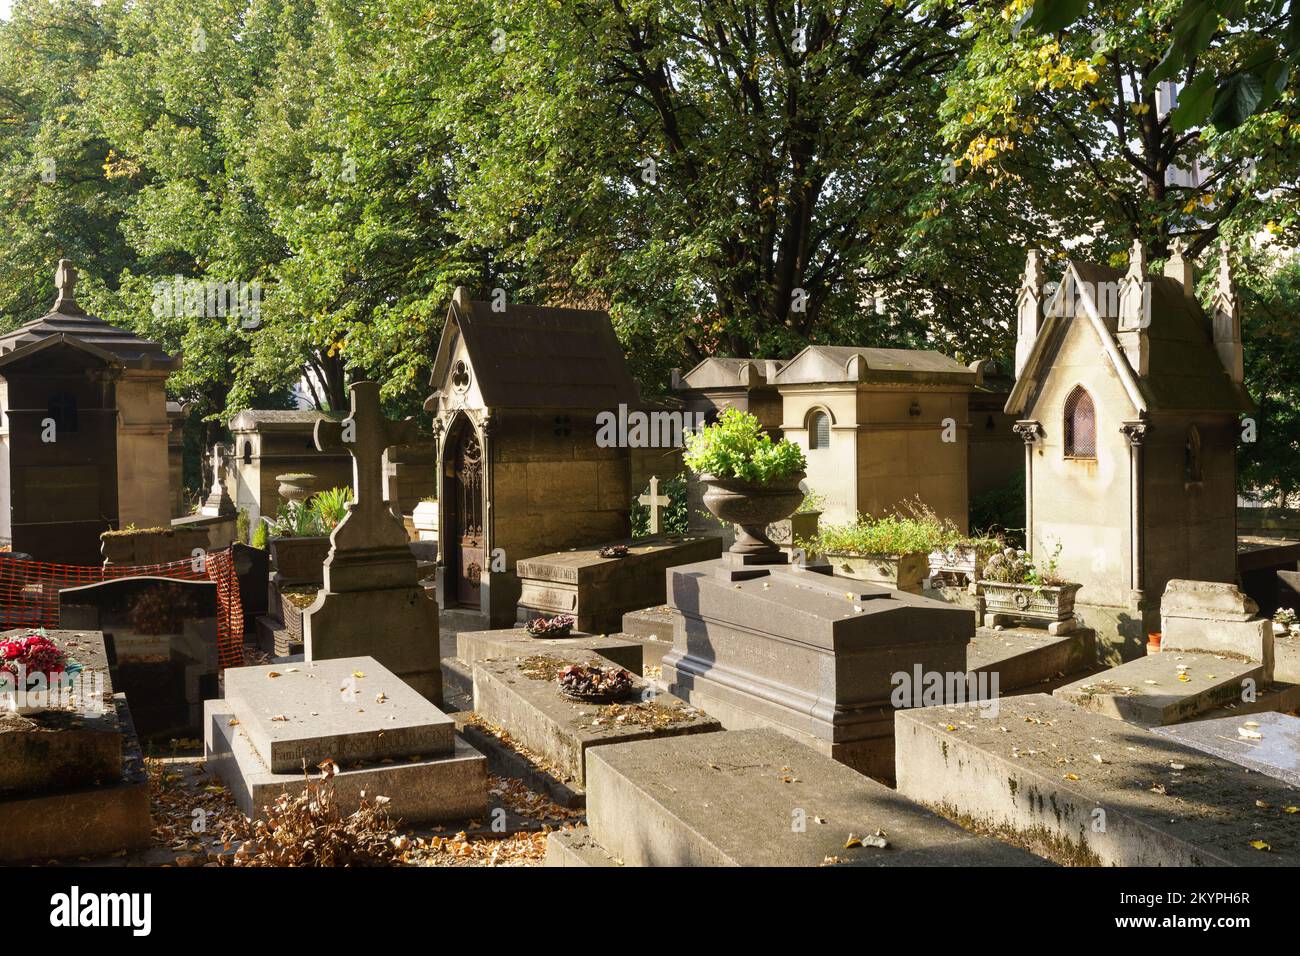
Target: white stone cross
[{"x": 654, "y": 501}]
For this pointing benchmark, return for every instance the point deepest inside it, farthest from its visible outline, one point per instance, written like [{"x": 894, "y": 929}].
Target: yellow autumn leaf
[{"x": 1260, "y": 845}]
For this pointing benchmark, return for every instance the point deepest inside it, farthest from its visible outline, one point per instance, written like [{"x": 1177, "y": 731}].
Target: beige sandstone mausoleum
[{"x": 1127, "y": 396}]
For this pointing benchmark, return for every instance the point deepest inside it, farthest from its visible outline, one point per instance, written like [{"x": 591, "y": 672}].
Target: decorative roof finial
[
  {"x": 65, "y": 280},
  {"x": 1137, "y": 260},
  {"x": 1178, "y": 268}
]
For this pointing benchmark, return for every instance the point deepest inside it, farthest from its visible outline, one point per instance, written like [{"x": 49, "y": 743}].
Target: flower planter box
[
  {"x": 958, "y": 566},
  {"x": 1050, "y": 604},
  {"x": 145, "y": 546},
  {"x": 902, "y": 572},
  {"x": 300, "y": 561}
]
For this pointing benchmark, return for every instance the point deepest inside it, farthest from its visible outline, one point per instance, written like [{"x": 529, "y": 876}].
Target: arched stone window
[
  {"x": 1080, "y": 425},
  {"x": 819, "y": 430},
  {"x": 248, "y": 452}
]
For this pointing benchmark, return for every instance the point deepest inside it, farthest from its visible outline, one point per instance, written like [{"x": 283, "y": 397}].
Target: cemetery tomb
[
  {"x": 105, "y": 465},
  {"x": 1268, "y": 743},
  {"x": 517, "y": 643},
  {"x": 161, "y": 635},
  {"x": 1214, "y": 651},
  {"x": 1023, "y": 657},
  {"x": 755, "y": 798},
  {"x": 281, "y": 720},
  {"x": 597, "y": 590},
  {"x": 1084, "y": 790},
  {"x": 522, "y": 697},
  {"x": 652, "y": 628},
  {"x": 72, "y": 779},
  {"x": 516, "y": 395},
  {"x": 813, "y": 655},
  {"x": 372, "y": 602},
  {"x": 270, "y": 442},
  {"x": 1129, "y": 405}
]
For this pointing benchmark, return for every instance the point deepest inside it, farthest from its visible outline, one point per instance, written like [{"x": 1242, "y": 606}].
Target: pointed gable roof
[
  {"x": 67, "y": 323},
  {"x": 1184, "y": 371},
  {"x": 824, "y": 364},
  {"x": 719, "y": 372},
  {"x": 531, "y": 356}
]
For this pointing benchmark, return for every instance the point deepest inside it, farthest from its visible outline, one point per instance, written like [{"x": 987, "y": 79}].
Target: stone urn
[
  {"x": 751, "y": 506},
  {"x": 296, "y": 487}
]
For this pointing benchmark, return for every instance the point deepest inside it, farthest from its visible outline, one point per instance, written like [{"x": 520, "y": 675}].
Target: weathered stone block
[
  {"x": 348, "y": 709},
  {"x": 1268, "y": 742},
  {"x": 509, "y": 643},
  {"x": 524, "y": 699},
  {"x": 758, "y": 798},
  {"x": 1085, "y": 790}
]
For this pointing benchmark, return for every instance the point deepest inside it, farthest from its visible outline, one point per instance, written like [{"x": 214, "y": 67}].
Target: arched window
[
  {"x": 819, "y": 430},
  {"x": 248, "y": 453},
  {"x": 1080, "y": 425}
]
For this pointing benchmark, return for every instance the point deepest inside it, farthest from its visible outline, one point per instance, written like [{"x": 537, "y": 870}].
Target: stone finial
[
  {"x": 65, "y": 280},
  {"x": 1135, "y": 308},
  {"x": 1225, "y": 311},
  {"x": 1029, "y": 308},
  {"x": 1179, "y": 268},
  {"x": 460, "y": 298}
]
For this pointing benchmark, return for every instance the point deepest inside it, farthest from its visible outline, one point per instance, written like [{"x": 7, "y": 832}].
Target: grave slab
[
  {"x": 349, "y": 709},
  {"x": 598, "y": 591},
  {"x": 652, "y": 628},
  {"x": 1022, "y": 657},
  {"x": 1083, "y": 789},
  {"x": 420, "y": 789},
  {"x": 474, "y": 646},
  {"x": 522, "y": 697},
  {"x": 1151, "y": 692},
  {"x": 1268, "y": 743},
  {"x": 80, "y": 746},
  {"x": 759, "y": 798}
]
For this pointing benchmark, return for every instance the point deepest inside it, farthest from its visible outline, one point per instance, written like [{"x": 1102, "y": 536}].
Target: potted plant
[
  {"x": 300, "y": 544},
  {"x": 1015, "y": 587},
  {"x": 893, "y": 551},
  {"x": 30, "y": 666},
  {"x": 750, "y": 481}
]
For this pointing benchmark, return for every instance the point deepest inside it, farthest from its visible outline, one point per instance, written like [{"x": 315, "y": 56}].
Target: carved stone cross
[
  {"x": 218, "y": 501},
  {"x": 654, "y": 501},
  {"x": 371, "y": 522}
]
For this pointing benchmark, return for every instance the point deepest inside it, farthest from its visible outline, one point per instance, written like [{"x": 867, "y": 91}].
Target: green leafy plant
[
  {"x": 260, "y": 536},
  {"x": 892, "y": 534},
  {"x": 296, "y": 520},
  {"x": 331, "y": 506},
  {"x": 812, "y": 502},
  {"x": 736, "y": 446},
  {"x": 241, "y": 526}
]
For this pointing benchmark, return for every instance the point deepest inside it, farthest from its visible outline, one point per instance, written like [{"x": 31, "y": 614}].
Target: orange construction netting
[{"x": 29, "y": 592}]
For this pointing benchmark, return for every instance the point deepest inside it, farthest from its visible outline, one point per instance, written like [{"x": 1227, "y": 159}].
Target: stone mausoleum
[
  {"x": 84, "y": 439},
  {"x": 517, "y": 396},
  {"x": 1128, "y": 397}
]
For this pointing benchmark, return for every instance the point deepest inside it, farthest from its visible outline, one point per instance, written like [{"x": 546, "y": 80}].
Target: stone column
[
  {"x": 1029, "y": 431},
  {"x": 1136, "y": 433}
]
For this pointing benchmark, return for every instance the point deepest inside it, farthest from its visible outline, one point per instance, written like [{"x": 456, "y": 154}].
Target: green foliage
[
  {"x": 260, "y": 536},
  {"x": 331, "y": 506},
  {"x": 811, "y": 502},
  {"x": 294, "y": 519},
  {"x": 736, "y": 446},
  {"x": 674, "y": 519},
  {"x": 891, "y": 534},
  {"x": 241, "y": 526}
]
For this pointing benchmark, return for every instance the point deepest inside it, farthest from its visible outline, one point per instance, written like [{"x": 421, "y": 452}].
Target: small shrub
[
  {"x": 331, "y": 506},
  {"x": 260, "y": 536},
  {"x": 736, "y": 446}
]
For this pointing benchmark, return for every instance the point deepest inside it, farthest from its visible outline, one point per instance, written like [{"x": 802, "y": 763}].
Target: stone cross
[
  {"x": 654, "y": 501},
  {"x": 217, "y": 502},
  {"x": 365, "y": 435}
]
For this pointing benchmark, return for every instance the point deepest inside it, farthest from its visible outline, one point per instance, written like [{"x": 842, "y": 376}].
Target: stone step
[
  {"x": 347, "y": 709},
  {"x": 655, "y": 623},
  {"x": 525, "y": 702},
  {"x": 1023, "y": 657},
  {"x": 276, "y": 639},
  {"x": 1084, "y": 789},
  {"x": 1268, "y": 743},
  {"x": 759, "y": 798},
  {"x": 420, "y": 789},
  {"x": 575, "y": 847},
  {"x": 504, "y": 761},
  {"x": 457, "y": 684},
  {"x": 1150, "y": 691}
]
